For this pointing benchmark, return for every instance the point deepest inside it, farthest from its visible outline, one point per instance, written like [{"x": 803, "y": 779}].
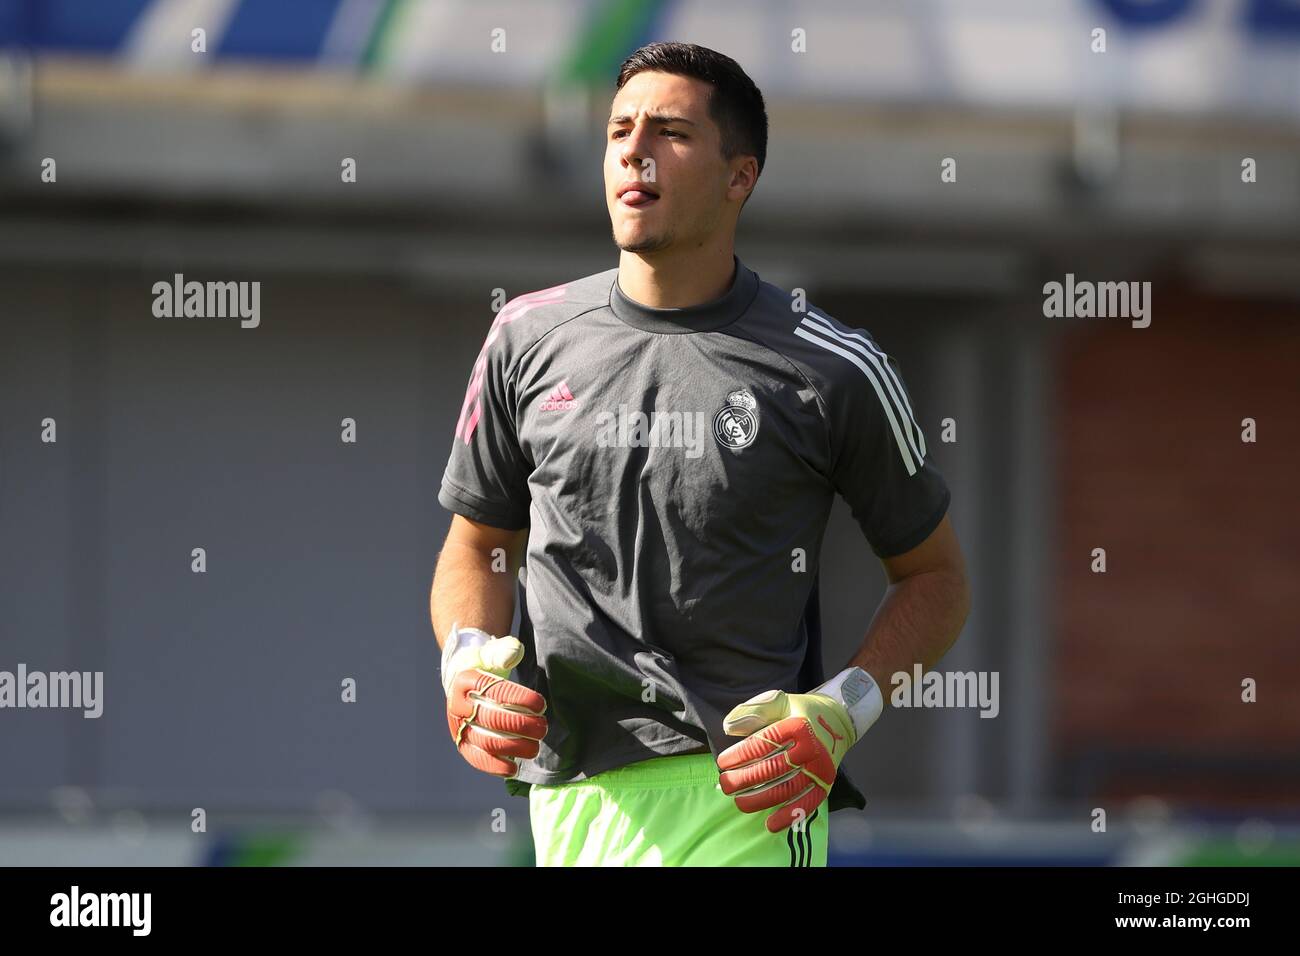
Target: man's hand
[
  {"x": 794, "y": 744},
  {"x": 493, "y": 721}
]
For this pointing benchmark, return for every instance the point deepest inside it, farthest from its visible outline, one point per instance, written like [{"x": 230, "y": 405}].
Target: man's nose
[{"x": 635, "y": 149}]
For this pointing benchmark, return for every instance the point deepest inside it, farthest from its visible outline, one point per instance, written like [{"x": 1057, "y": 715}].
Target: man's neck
[{"x": 676, "y": 280}]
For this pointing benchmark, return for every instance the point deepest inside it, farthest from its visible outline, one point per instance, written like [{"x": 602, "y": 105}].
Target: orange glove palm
[
  {"x": 494, "y": 721},
  {"x": 794, "y": 744}
]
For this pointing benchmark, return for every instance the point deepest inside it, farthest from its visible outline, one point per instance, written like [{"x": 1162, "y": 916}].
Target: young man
[{"x": 665, "y": 441}]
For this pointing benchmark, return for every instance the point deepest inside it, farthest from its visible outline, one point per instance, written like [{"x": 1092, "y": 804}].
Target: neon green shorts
[{"x": 665, "y": 811}]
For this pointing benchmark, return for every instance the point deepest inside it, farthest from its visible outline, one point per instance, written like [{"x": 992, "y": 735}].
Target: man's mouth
[{"x": 637, "y": 197}]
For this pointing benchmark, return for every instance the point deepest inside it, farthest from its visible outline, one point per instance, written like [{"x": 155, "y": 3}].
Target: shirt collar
[{"x": 704, "y": 317}]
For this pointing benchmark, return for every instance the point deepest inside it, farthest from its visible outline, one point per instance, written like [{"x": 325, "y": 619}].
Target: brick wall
[{"x": 1202, "y": 539}]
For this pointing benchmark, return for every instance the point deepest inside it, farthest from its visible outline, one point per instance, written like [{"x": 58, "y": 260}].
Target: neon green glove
[{"x": 794, "y": 744}]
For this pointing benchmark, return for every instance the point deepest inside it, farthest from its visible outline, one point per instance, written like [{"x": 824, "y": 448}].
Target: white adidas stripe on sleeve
[{"x": 893, "y": 399}]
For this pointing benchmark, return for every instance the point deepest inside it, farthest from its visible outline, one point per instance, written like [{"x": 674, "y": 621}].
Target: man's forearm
[
  {"x": 467, "y": 590},
  {"x": 918, "y": 620}
]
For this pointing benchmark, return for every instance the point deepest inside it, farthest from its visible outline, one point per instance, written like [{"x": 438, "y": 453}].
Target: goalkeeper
[{"x": 658, "y": 447}]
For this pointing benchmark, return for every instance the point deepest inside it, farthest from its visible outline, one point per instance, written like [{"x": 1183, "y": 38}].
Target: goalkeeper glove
[
  {"x": 493, "y": 721},
  {"x": 794, "y": 744}
]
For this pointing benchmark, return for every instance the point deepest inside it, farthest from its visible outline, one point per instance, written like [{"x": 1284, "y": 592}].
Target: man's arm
[
  {"x": 494, "y": 722},
  {"x": 919, "y": 619},
  {"x": 923, "y": 610},
  {"x": 466, "y": 587}
]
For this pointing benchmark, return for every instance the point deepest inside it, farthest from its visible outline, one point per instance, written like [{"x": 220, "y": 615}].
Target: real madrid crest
[{"x": 736, "y": 423}]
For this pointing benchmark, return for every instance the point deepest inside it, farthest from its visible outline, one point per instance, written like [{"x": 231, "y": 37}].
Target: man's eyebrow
[{"x": 653, "y": 117}]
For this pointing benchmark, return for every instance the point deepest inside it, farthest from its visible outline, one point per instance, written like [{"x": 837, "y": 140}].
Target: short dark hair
[{"x": 736, "y": 104}]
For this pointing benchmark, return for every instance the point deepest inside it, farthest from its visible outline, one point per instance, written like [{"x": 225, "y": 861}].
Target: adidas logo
[{"x": 560, "y": 399}]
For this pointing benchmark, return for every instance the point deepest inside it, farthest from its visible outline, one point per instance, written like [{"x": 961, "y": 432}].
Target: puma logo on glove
[{"x": 791, "y": 751}]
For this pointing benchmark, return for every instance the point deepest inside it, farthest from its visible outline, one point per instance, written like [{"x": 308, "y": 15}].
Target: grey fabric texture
[{"x": 676, "y": 469}]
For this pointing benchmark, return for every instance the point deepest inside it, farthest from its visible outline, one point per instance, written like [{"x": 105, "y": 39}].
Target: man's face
[{"x": 661, "y": 137}]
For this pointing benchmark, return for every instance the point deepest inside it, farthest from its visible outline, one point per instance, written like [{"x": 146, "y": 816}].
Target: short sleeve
[
  {"x": 486, "y": 479},
  {"x": 880, "y": 460}
]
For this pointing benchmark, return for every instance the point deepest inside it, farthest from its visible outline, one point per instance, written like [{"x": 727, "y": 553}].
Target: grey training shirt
[{"x": 676, "y": 469}]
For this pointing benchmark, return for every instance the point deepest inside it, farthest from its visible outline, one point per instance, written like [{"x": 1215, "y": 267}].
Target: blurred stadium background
[{"x": 479, "y": 168}]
